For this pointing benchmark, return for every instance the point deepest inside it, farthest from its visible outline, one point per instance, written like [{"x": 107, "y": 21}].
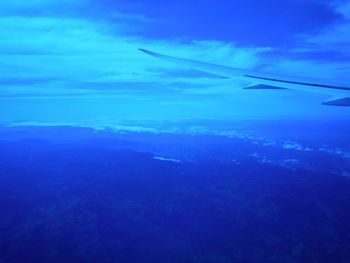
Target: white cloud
[
  {"x": 160, "y": 158},
  {"x": 21, "y": 3},
  {"x": 64, "y": 52},
  {"x": 295, "y": 146},
  {"x": 78, "y": 50},
  {"x": 336, "y": 37},
  {"x": 343, "y": 8},
  {"x": 338, "y": 71},
  {"x": 18, "y": 5}
]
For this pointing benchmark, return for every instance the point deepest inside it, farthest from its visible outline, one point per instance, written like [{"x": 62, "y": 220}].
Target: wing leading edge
[{"x": 259, "y": 80}]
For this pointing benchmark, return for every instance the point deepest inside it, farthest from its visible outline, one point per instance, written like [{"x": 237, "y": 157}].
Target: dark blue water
[{"x": 268, "y": 192}]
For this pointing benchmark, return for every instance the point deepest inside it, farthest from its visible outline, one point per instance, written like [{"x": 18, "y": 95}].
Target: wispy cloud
[
  {"x": 54, "y": 49},
  {"x": 73, "y": 51},
  {"x": 335, "y": 37}
]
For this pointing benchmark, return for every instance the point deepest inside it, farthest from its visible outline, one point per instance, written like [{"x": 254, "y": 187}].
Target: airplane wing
[{"x": 259, "y": 80}]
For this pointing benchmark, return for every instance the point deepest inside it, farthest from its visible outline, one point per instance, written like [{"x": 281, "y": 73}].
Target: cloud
[
  {"x": 58, "y": 49},
  {"x": 343, "y": 7},
  {"x": 278, "y": 152},
  {"x": 295, "y": 146},
  {"x": 72, "y": 51},
  {"x": 322, "y": 54},
  {"x": 30, "y": 7},
  {"x": 160, "y": 158},
  {"x": 25, "y": 4},
  {"x": 292, "y": 163},
  {"x": 335, "y": 37}
]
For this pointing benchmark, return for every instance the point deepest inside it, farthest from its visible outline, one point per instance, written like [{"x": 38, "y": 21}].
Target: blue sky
[{"x": 79, "y": 59}]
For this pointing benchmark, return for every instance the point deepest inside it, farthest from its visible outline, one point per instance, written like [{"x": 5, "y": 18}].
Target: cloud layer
[{"x": 74, "y": 54}]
